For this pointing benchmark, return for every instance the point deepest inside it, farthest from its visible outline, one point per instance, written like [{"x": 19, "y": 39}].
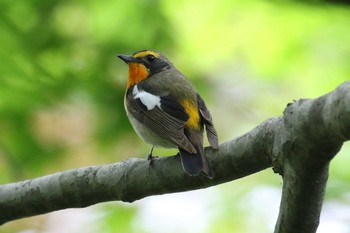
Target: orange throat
[{"x": 137, "y": 73}]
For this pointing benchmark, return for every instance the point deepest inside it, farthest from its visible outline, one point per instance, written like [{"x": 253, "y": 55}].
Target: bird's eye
[{"x": 150, "y": 58}]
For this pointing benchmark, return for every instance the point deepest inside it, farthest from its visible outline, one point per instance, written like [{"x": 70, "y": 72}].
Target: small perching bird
[{"x": 165, "y": 110}]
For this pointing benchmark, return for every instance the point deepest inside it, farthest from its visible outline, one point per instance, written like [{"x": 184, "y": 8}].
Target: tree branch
[
  {"x": 314, "y": 131},
  {"x": 132, "y": 179},
  {"x": 299, "y": 145}
]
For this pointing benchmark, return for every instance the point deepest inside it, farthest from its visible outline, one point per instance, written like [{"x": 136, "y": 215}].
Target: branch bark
[
  {"x": 313, "y": 133},
  {"x": 132, "y": 179},
  {"x": 299, "y": 145}
]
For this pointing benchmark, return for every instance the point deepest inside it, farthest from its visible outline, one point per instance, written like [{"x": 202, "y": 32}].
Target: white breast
[{"x": 147, "y": 99}]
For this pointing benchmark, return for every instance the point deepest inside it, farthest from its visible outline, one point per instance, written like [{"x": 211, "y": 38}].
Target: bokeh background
[{"x": 62, "y": 87}]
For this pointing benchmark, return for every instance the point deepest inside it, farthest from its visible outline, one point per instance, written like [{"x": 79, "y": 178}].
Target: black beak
[{"x": 126, "y": 58}]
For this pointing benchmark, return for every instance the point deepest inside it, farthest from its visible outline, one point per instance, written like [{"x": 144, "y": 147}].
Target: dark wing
[
  {"x": 208, "y": 122},
  {"x": 167, "y": 121}
]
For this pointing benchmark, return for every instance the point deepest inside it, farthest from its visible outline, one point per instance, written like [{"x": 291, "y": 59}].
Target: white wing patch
[{"x": 147, "y": 99}]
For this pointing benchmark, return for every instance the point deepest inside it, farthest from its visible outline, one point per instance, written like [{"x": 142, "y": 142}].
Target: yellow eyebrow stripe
[{"x": 145, "y": 53}]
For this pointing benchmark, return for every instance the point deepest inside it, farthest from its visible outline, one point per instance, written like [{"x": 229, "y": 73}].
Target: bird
[{"x": 165, "y": 110}]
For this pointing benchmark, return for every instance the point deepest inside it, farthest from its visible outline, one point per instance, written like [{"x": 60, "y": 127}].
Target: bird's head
[{"x": 144, "y": 64}]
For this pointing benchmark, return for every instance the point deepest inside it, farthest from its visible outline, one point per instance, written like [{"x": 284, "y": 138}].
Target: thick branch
[
  {"x": 300, "y": 145},
  {"x": 134, "y": 179},
  {"x": 313, "y": 133}
]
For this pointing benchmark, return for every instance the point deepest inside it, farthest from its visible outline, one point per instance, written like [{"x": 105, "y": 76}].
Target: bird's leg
[{"x": 150, "y": 157}]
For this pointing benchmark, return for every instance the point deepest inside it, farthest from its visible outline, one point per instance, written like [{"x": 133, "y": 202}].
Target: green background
[{"x": 62, "y": 87}]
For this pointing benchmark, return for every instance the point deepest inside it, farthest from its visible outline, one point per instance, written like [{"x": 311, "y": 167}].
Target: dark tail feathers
[{"x": 193, "y": 164}]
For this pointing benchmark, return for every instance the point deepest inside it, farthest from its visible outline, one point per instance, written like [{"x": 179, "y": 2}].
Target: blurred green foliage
[
  {"x": 61, "y": 86},
  {"x": 55, "y": 51}
]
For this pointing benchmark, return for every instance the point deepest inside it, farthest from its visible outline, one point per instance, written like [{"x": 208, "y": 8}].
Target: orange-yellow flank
[{"x": 192, "y": 111}]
